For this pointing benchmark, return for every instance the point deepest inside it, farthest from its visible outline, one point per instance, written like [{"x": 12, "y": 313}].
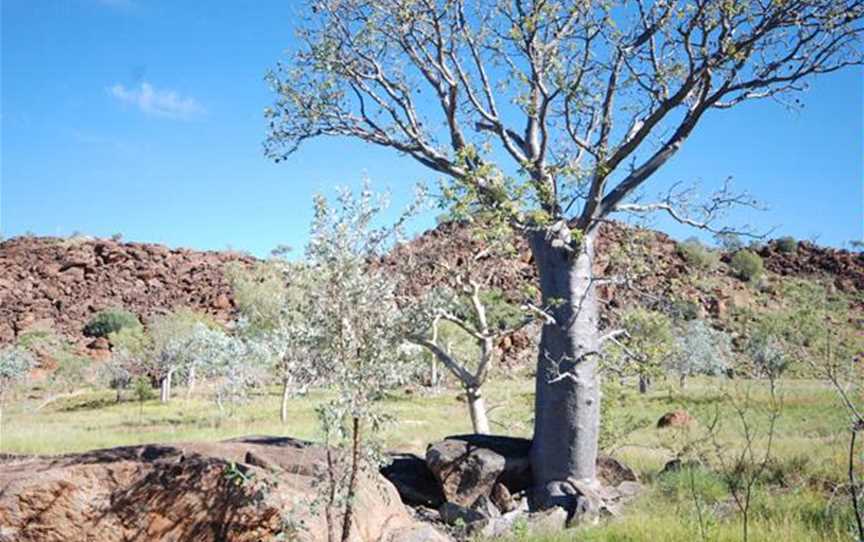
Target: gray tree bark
[
  {"x": 567, "y": 400},
  {"x": 645, "y": 383},
  {"x": 477, "y": 409}
]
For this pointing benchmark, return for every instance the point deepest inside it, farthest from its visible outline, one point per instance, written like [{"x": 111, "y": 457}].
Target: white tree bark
[
  {"x": 165, "y": 387},
  {"x": 286, "y": 393},
  {"x": 477, "y": 410}
]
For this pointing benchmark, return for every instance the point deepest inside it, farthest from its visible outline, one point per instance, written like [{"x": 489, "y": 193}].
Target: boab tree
[{"x": 550, "y": 115}]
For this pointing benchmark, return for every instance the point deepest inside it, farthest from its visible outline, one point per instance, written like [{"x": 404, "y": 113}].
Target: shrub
[
  {"x": 747, "y": 265},
  {"x": 110, "y": 321},
  {"x": 697, "y": 254},
  {"x": 787, "y": 244},
  {"x": 685, "y": 309},
  {"x": 260, "y": 293}
]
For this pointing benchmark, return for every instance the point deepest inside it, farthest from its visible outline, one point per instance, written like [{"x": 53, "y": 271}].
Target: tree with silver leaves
[
  {"x": 700, "y": 350},
  {"x": 358, "y": 331},
  {"x": 585, "y": 100},
  {"x": 274, "y": 303}
]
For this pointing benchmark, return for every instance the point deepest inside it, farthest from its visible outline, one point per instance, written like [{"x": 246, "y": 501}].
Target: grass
[{"x": 800, "y": 498}]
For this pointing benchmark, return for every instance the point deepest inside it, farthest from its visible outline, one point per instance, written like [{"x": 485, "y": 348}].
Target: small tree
[
  {"x": 170, "y": 354},
  {"x": 143, "y": 392},
  {"x": 236, "y": 363},
  {"x": 700, "y": 349},
  {"x": 645, "y": 345},
  {"x": 359, "y": 331},
  {"x": 468, "y": 312},
  {"x": 274, "y": 302},
  {"x": 129, "y": 360},
  {"x": 15, "y": 365}
]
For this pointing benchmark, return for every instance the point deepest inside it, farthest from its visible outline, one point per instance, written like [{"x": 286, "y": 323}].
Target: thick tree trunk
[
  {"x": 567, "y": 400},
  {"x": 477, "y": 408},
  {"x": 286, "y": 393}
]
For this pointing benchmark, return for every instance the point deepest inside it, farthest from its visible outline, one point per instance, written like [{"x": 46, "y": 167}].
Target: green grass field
[{"x": 800, "y": 497}]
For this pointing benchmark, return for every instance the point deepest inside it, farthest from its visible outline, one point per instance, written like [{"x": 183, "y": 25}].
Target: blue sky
[{"x": 144, "y": 117}]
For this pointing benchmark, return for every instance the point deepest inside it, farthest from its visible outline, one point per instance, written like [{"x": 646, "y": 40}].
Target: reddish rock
[
  {"x": 241, "y": 490},
  {"x": 47, "y": 279},
  {"x": 100, "y": 343},
  {"x": 676, "y": 418},
  {"x": 222, "y": 302}
]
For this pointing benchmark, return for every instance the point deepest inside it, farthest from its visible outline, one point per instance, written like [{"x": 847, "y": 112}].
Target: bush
[
  {"x": 685, "y": 309},
  {"x": 110, "y": 321},
  {"x": 787, "y": 244},
  {"x": 697, "y": 254},
  {"x": 747, "y": 265}
]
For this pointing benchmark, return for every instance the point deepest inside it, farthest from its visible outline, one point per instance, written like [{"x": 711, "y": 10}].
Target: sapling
[{"x": 359, "y": 333}]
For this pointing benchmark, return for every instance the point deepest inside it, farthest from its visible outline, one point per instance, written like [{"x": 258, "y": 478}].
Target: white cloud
[{"x": 159, "y": 103}]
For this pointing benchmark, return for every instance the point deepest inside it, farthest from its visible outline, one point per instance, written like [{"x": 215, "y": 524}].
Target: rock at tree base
[
  {"x": 470, "y": 466},
  {"x": 191, "y": 492},
  {"x": 414, "y": 481}
]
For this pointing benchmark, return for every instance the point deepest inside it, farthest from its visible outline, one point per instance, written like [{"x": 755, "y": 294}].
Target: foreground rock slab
[{"x": 247, "y": 489}]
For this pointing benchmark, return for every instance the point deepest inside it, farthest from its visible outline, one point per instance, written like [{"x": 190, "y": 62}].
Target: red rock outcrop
[
  {"x": 242, "y": 490},
  {"x": 59, "y": 284}
]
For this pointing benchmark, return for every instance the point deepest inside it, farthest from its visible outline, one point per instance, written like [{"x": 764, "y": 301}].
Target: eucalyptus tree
[
  {"x": 700, "y": 349},
  {"x": 358, "y": 331},
  {"x": 273, "y": 302},
  {"x": 177, "y": 347},
  {"x": 550, "y": 115},
  {"x": 645, "y": 344},
  {"x": 15, "y": 365}
]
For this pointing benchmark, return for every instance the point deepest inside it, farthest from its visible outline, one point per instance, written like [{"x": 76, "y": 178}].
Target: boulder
[
  {"x": 676, "y": 418},
  {"x": 241, "y": 490},
  {"x": 468, "y": 466},
  {"x": 612, "y": 472},
  {"x": 414, "y": 481}
]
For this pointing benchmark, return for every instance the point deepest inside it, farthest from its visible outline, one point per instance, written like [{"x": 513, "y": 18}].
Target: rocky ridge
[{"x": 60, "y": 283}]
